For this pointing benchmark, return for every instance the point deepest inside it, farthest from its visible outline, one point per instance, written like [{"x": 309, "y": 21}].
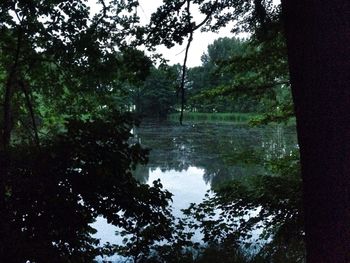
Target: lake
[{"x": 196, "y": 157}]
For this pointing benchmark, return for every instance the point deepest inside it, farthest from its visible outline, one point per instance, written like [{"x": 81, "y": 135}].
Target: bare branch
[{"x": 182, "y": 86}]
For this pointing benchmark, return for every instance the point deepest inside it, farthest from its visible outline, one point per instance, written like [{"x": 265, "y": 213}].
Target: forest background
[{"x": 74, "y": 84}]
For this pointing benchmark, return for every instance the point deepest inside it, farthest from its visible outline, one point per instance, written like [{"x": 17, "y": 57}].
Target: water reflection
[
  {"x": 222, "y": 151},
  {"x": 191, "y": 159},
  {"x": 187, "y": 186}
]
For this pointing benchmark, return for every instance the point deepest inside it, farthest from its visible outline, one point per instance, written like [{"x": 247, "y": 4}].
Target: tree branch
[
  {"x": 182, "y": 85},
  {"x": 206, "y": 18},
  {"x": 6, "y": 134},
  {"x": 25, "y": 90},
  {"x": 190, "y": 38}
]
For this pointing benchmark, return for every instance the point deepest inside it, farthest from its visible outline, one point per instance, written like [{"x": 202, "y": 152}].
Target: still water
[{"x": 196, "y": 157}]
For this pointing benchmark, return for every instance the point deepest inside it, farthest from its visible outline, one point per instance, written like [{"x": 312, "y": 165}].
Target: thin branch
[
  {"x": 182, "y": 51},
  {"x": 190, "y": 38},
  {"x": 206, "y": 18},
  {"x": 182, "y": 86},
  {"x": 27, "y": 128},
  {"x": 19, "y": 19},
  {"x": 104, "y": 9},
  {"x": 6, "y": 135},
  {"x": 25, "y": 90}
]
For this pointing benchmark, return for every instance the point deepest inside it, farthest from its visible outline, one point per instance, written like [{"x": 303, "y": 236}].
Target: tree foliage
[
  {"x": 207, "y": 82},
  {"x": 55, "y": 193},
  {"x": 156, "y": 96},
  {"x": 254, "y": 219},
  {"x": 255, "y": 73},
  {"x": 170, "y": 23},
  {"x": 65, "y": 151},
  {"x": 66, "y": 156}
]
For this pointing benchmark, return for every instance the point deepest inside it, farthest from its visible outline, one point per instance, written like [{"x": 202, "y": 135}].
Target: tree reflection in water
[
  {"x": 223, "y": 151},
  {"x": 250, "y": 169}
]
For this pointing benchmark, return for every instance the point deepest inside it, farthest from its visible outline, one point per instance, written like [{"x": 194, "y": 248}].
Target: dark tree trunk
[
  {"x": 5, "y": 140},
  {"x": 318, "y": 40},
  {"x": 7, "y": 125},
  {"x": 4, "y": 163}
]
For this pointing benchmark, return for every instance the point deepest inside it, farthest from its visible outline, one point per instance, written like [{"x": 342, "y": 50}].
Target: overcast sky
[{"x": 177, "y": 53}]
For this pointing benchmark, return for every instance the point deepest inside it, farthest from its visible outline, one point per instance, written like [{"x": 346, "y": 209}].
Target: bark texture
[{"x": 318, "y": 40}]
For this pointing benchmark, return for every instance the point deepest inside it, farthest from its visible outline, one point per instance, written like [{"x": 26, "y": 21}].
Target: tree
[
  {"x": 55, "y": 193},
  {"x": 223, "y": 49},
  {"x": 49, "y": 47},
  {"x": 318, "y": 42},
  {"x": 156, "y": 96},
  {"x": 318, "y": 51},
  {"x": 228, "y": 78},
  {"x": 58, "y": 62}
]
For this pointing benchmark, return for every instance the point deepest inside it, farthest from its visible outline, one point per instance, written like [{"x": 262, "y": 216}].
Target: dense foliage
[
  {"x": 207, "y": 82},
  {"x": 235, "y": 75},
  {"x": 256, "y": 218},
  {"x": 54, "y": 193},
  {"x": 257, "y": 74},
  {"x": 68, "y": 81},
  {"x": 156, "y": 96},
  {"x": 65, "y": 155}
]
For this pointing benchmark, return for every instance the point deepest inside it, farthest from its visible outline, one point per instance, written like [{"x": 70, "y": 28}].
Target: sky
[
  {"x": 200, "y": 42},
  {"x": 176, "y": 54}
]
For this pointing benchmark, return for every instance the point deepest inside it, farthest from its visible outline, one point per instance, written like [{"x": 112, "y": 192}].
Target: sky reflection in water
[{"x": 191, "y": 159}]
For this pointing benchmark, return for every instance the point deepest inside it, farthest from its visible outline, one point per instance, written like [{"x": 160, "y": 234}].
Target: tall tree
[
  {"x": 318, "y": 42},
  {"x": 156, "y": 97},
  {"x": 58, "y": 59},
  {"x": 232, "y": 73},
  {"x": 318, "y": 49}
]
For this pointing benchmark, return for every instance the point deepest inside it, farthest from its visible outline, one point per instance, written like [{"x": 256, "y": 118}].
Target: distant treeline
[
  {"x": 215, "y": 117},
  {"x": 235, "y": 76}
]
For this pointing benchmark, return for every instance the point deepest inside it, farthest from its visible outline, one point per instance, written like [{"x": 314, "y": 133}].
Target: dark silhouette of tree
[
  {"x": 84, "y": 170},
  {"x": 318, "y": 50},
  {"x": 156, "y": 96},
  {"x": 65, "y": 152},
  {"x": 318, "y": 42}
]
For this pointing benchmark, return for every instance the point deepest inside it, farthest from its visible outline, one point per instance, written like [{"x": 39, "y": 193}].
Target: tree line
[{"x": 69, "y": 78}]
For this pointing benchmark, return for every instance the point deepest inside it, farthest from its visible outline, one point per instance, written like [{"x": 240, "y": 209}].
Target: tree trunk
[
  {"x": 318, "y": 40},
  {"x": 7, "y": 125},
  {"x": 4, "y": 163}
]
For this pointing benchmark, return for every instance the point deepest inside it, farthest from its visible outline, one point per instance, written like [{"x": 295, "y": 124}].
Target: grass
[{"x": 214, "y": 117}]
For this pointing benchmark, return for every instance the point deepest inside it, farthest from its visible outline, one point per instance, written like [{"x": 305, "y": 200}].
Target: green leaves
[
  {"x": 269, "y": 202},
  {"x": 156, "y": 97},
  {"x": 58, "y": 191}
]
